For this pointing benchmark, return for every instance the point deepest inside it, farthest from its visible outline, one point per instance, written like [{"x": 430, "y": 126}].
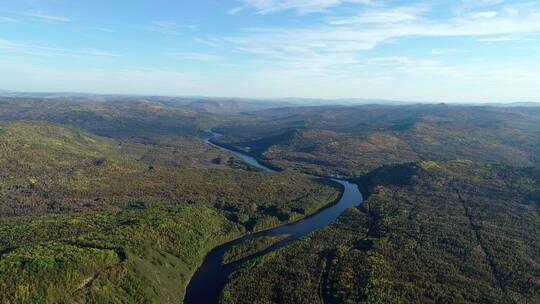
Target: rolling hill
[{"x": 355, "y": 140}]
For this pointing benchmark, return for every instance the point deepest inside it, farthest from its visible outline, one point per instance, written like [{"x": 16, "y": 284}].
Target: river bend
[{"x": 207, "y": 283}]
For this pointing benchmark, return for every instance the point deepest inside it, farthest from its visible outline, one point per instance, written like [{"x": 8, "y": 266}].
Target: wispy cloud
[
  {"x": 334, "y": 46},
  {"x": 94, "y": 52},
  {"x": 390, "y": 60},
  {"x": 135, "y": 80},
  {"x": 315, "y": 48},
  {"x": 37, "y": 50},
  {"x": 102, "y": 29},
  {"x": 214, "y": 43},
  {"x": 170, "y": 27},
  {"x": 498, "y": 39},
  {"x": 7, "y": 20},
  {"x": 48, "y": 17},
  {"x": 194, "y": 56},
  {"x": 373, "y": 27},
  {"x": 264, "y": 7},
  {"x": 384, "y": 15},
  {"x": 485, "y": 15},
  {"x": 447, "y": 51}
]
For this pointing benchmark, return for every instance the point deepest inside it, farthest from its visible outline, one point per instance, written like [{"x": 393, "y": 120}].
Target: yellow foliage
[
  {"x": 429, "y": 165},
  {"x": 23, "y": 292}
]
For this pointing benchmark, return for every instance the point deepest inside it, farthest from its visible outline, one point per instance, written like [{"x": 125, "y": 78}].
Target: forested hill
[
  {"x": 355, "y": 140},
  {"x": 430, "y": 232},
  {"x": 120, "y": 117},
  {"x": 50, "y": 168},
  {"x": 120, "y": 202}
]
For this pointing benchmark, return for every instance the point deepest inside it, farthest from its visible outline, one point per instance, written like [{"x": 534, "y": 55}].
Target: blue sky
[{"x": 452, "y": 51}]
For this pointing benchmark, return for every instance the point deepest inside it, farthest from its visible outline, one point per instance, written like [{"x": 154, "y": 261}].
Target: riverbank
[{"x": 207, "y": 283}]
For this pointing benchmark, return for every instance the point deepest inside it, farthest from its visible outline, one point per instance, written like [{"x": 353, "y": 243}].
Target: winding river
[{"x": 207, "y": 283}]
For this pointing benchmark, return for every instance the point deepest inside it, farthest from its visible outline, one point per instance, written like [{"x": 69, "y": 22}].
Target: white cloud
[
  {"x": 264, "y": 7},
  {"x": 331, "y": 39},
  {"x": 23, "y": 76},
  {"x": 214, "y": 43},
  {"x": 328, "y": 55},
  {"x": 399, "y": 78},
  {"x": 37, "y": 50},
  {"x": 390, "y": 60},
  {"x": 170, "y": 27},
  {"x": 446, "y": 51},
  {"x": 194, "y": 56},
  {"x": 7, "y": 20},
  {"x": 344, "y": 36},
  {"x": 102, "y": 29},
  {"x": 486, "y": 15},
  {"x": 498, "y": 39},
  {"x": 47, "y": 17},
  {"x": 384, "y": 15}
]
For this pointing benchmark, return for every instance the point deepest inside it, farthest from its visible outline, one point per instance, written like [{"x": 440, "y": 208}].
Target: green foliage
[
  {"x": 119, "y": 201},
  {"x": 355, "y": 140},
  {"x": 52, "y": 168},
  {"x": 104, "y": 258},
  {"x": 250, "y": 248},
  {"x": 61, "y": 265},
  {"x": 453, "y": 232},
  {"x": 108, "y": 220},
  {"x": 119, "y": 118}
]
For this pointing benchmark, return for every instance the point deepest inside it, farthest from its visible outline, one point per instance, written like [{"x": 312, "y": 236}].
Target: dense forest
[
  {"x": 430, "y": 232},
  {"x": 352, "y": 141},
  {"x": 118, "y": 199},
  {"x": 131, "y": 256},
  {"x": 111, "y": 210}
]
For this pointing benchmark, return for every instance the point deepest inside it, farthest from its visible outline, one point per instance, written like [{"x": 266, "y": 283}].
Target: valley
[
  {"x": 209, "y": 279},
  {"x": 123, "y": 201},
  {"x": 270, "y": 152}
]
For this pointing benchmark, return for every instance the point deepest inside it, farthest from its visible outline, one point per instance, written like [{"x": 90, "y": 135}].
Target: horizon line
[{"x": 284, "y": 98}]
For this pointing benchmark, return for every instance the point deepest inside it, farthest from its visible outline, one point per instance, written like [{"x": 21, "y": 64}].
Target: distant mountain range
[{"x": 211, "y": 103}]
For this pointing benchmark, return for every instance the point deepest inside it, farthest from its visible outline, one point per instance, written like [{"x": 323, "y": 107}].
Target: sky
[{"x": 443, "y": 51}]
